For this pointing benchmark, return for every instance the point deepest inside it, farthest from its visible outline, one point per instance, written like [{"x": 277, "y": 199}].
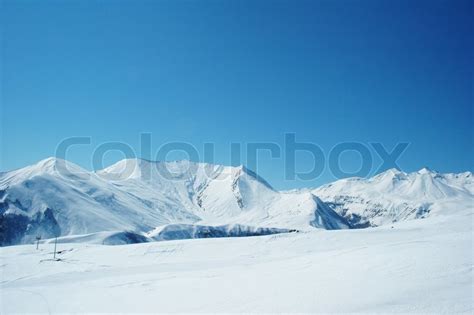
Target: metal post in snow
[
  {"x": 37, "y": 241},
  {"x": 55, "y": 243}
]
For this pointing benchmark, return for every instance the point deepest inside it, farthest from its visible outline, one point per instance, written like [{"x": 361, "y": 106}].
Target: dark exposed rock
[{"x": 17, "y": 228}]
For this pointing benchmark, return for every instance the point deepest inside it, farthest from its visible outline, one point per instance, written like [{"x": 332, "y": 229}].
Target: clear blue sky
[{"x": 240, "y": 71}]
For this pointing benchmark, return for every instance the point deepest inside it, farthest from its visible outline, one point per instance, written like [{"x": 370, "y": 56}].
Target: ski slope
[{"x": 417, "y": 266}]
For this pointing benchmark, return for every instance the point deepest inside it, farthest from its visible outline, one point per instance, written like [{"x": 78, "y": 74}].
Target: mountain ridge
[
  {"x": 139, "y": 195},
  {"x": 392, "y": 196}
]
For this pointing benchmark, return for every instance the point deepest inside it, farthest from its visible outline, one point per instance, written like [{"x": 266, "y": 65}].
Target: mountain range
[{"x": 137, "y": 200}]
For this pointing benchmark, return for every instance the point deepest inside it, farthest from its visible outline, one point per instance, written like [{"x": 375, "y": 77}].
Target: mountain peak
[
  {"x": 426, "y": 170},
  {"x": 52, "y": 166},
  {"x": 50, "y": 162},
  {"x": 393, "y": 171},
  {"x": 126, "y": 168},
  {"x": 55, "y": 164}
]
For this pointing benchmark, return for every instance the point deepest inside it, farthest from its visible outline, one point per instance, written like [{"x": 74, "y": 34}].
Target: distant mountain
[
  {"x": 56, "y": 197},
  {"x": 395, "y": 196},
  {"x": 134, "y": 197}
]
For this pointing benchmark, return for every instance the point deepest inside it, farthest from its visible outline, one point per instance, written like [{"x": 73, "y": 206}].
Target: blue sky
[{"x": 240, "y": 71}]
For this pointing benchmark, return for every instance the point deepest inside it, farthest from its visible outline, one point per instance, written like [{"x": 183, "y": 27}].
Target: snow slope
[
  {"x": 167, "y": 232},
  {"x": 418, "y": 266},
  {"x": 56, "y": 197},
  {"x": 396, "y": 196}
]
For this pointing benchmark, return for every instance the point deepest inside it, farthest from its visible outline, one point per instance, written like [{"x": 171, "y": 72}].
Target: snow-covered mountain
[
  {"x": 56, "y": 197},
  {"x": 394, "y": 196}
]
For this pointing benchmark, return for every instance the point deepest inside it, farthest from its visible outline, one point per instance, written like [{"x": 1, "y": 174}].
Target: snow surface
[
  {"x": 417, "y": 266},
  {"x": 167, "y": 232}
]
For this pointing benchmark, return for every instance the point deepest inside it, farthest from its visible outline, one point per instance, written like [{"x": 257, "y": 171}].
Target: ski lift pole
[
  {"x": 55, "y": 243},
  {"x": 37, "y": 241}
]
